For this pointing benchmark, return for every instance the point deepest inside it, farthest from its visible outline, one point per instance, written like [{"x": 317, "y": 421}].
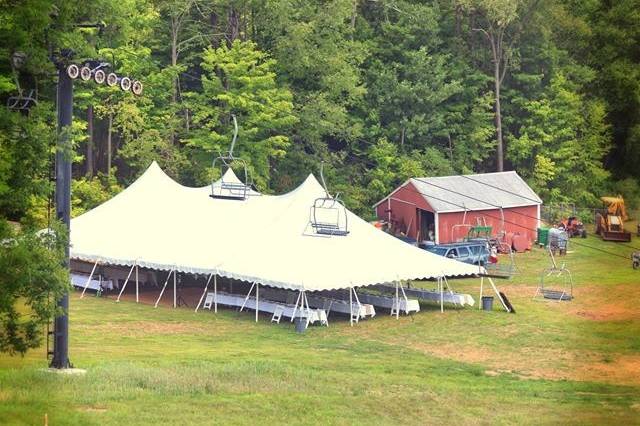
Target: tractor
[
  {"x": 574, "y": 227},
  {"x": 610, "y": 220}
]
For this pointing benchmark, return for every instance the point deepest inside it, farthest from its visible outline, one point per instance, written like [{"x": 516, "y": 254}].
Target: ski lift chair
[
  {"x": 328, "y": 214},
  {"x": 559, "y": 282},
  {"x": 226, "y": 189},
  {"x": 22, "y": 103},
  {"x": 329, "y": 217}
]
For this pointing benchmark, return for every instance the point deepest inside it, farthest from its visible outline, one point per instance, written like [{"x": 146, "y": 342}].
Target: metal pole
[
  {"x": 137, "y": 292},
  {"x": 257, "y": 300},
  {"x": 63, "y": 209},
  {"x": 350, "y": 308},
  {"x": 174, "y": 288},
  {"x": 215, "y": 293}
]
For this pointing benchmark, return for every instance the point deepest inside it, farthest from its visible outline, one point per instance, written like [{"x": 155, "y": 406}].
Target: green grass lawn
[{"x": 563, "y": 363}]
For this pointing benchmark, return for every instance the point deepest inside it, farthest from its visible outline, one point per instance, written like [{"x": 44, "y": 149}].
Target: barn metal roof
[{"x": 474, "y": 192}]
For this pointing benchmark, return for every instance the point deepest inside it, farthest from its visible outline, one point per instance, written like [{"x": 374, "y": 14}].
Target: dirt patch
[
  {"x": 599, "y": 303},
  {"x": 623, "y": 369}
]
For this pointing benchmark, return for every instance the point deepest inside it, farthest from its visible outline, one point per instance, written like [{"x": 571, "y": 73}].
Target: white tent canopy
[{"x": 158, "y": 223}]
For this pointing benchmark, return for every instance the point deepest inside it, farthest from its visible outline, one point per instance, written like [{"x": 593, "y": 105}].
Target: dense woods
[{"x": 378, "y": 90}]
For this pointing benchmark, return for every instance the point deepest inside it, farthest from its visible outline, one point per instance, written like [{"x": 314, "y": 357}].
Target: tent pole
[
  {"x": 137, "y": 291},
  {"x": 206, "y": 286},
  {"x": 350, "y": 307},
  {"x": 504, "y": 305},
  {"x": 295, "y": 308},
  {"x": 441, "y": 279},
  {"x": 174, "y": 288},
  {"x": 257, "y": 300},
  {"x": 125, "y": 283},
  {"x": 397, "y": 300},
  {"x": 404, "y": 295},
  {"x": 215, "y": 293},
  {"x": 163, "y": 287},
  {"x": 355, "y": 294},
  {"x": 480, "y": 297},
  {"x": 89, "y": 279},
  {"x": 247, "y": 298}
]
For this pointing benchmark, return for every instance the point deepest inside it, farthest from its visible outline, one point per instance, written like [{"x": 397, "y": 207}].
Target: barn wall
[
  {"x": 518, "y": 220},
  {"x": 404, "y": 214}
]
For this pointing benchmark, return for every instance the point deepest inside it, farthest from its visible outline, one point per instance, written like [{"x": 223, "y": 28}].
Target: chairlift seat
[{"x": 329, "y": 229}]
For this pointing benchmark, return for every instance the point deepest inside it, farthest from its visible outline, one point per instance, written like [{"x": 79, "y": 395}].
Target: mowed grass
[{"x": 551, "y": 363}]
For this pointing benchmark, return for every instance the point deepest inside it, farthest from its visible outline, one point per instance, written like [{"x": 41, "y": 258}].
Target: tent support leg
[
  {"x": 163, "y": 288},
  {"x": 215, "y": 294},
  {"x": 125, "y": 283},
  {"x": 247, "y": 298},
  {"x": 406, "y": 301},
  {"x": 206, "y": 286},
  {"x": 441, "y": 280},
  {"x": 480, "y": 296},
  {"x": 504, "y": 305},
  {"x": 174, "y": 288},
  {"x": 89, "y": 279},
  {"x": 397, "y": 300},
  {"x": 357, "y": 302},
  {"x": 257, "y": 300},
  {"x": 295, "y": 308},
  {"x": 350, "y": 308},
  {"x": 137, "y": 285}
]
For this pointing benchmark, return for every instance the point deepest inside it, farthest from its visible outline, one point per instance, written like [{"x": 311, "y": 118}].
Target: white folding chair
[
  {"x": 277, "y": 314},
  {"x": 322, "y": 316},
  {"x": 208, "y": 302}
]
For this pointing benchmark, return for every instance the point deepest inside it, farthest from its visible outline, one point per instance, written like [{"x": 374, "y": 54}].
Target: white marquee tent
[
  {"x": 265, "y": 239},
  {"x": 160, "y": 224}
]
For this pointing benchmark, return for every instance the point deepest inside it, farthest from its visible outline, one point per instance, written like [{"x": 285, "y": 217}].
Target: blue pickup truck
[{"x": 473, "y": 252}]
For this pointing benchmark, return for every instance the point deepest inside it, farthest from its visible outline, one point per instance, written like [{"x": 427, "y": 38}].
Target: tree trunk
[
  {"x": 109, "y": 132},
  {"x": 354, "y": 15},
  {"x": 498, "y": 116},
  {"x": 175, "y": 29},
  {"x": 89, "y": 158}
]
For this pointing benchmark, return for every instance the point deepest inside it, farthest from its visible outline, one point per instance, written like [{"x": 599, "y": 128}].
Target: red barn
[{"x": 443, "y": 209}]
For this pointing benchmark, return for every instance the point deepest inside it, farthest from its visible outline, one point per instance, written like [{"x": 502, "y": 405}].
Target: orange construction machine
[{"x": 610, "y": 220}]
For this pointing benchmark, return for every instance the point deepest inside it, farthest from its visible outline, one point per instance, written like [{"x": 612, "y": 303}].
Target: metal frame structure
[
  {"x": 558, "y": 272},
  {"x": 230, "y": 190},
  {"x": 330, "y": 206}
]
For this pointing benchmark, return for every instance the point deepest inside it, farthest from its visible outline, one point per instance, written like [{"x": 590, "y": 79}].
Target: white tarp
[{"x": 266, "y": 239}]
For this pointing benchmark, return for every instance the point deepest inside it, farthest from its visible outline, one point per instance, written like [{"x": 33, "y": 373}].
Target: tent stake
[
  {"x": 206, "y": 286},
  {"x": 125, "y": 283},
  {"x": 163, "y": 288},
  {"x": 89, "y": 280}
]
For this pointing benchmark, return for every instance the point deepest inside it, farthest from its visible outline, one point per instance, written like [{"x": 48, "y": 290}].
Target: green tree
[
  {"x": 562, "y": 144},
  {"x": 240, "y": 80},
  {"x": 31, "y": 280}
]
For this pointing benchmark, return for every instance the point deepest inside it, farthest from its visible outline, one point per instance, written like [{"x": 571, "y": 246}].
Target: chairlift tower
[{"x": 67, "y": 72}]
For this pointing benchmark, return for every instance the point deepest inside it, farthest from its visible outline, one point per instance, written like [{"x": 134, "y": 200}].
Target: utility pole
[{"x": 64, "y": 100}]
